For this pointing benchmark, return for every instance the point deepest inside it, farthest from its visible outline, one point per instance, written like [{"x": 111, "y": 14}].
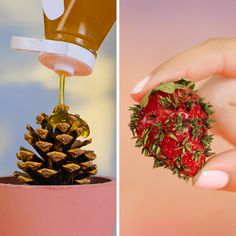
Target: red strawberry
[{"x": 171, "y": 124}]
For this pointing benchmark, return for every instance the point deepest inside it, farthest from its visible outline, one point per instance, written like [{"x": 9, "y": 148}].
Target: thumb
[{"x": 219, "y": 173}]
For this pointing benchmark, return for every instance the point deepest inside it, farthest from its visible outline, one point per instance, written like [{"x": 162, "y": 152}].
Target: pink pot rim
[{"x": 112, "y": 182}]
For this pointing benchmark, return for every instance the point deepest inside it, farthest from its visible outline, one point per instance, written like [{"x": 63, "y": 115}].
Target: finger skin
[
  {"x": 213, "y": 57},
  {"x": 225, "y": 162},
  {"x": 221, "y": 93}
]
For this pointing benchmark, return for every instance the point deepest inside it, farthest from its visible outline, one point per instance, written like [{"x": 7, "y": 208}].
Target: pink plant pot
[{"x": 77, "y": 210}]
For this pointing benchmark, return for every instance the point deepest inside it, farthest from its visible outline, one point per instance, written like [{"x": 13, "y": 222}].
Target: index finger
[{"x": 213, "y": 57}]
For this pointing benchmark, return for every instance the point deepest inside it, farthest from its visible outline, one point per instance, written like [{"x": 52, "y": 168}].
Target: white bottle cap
[{"x": 58, "y": 55}]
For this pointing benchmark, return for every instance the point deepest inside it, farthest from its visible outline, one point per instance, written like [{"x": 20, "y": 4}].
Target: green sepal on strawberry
[{"x": 171, "y": 124}]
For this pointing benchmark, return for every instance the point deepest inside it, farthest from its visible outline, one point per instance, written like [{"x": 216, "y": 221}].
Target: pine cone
[{"x": 60, "y": 159}]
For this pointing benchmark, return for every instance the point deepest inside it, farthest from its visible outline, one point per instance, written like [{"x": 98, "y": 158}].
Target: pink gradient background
[{"x": 153, "y": 202}]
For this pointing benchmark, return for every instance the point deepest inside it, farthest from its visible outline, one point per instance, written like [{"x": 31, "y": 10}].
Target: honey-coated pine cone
[{"x": 60, "y": 158}]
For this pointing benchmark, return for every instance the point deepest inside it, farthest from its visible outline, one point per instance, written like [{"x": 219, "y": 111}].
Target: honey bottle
[{"x": 74, "y": 31}]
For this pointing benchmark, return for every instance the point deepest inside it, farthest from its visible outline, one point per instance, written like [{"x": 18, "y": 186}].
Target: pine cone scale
[{"x": 56, "y": 156}]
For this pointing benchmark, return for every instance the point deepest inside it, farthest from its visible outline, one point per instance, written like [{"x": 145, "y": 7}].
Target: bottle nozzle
[
  {"x": 67, "y": 70},
  {"x": 64, "y": 64},
  {"x": 58, "y": 56}
]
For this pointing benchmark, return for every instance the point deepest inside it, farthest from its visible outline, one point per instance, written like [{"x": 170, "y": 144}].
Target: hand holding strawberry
[
  {"x": 215, "y": 56},
  {"x": 171, "y": 125}
]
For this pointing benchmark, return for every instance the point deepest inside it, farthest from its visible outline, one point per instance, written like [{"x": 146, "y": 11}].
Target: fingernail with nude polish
[
  {"x": 212, "y": 179},
  {"x": 140, "y": 85}
]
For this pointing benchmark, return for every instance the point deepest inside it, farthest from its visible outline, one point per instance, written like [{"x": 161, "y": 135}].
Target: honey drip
[{"x": 60, "y": 113}]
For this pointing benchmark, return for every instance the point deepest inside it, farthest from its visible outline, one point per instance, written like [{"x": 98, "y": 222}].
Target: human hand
[{"x": 213, "y": 57}]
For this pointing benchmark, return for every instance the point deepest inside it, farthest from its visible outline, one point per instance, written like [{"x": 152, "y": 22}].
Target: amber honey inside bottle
[{"x": 84, "y": 22}]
